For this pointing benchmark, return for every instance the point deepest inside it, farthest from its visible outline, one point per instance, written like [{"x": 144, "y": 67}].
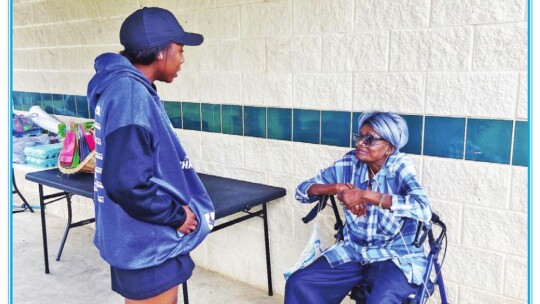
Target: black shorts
[{"x": 140, "y": 284}]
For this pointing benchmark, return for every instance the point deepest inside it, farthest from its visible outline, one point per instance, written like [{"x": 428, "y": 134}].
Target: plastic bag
[
  {"x": 313, "y": 250},
  {"x": 77, "y": 148},
  {"x": 87, "y": 129},
  {"x": 84, "y": 145},
  {"x": 19, "y": 143},
  {"x": 69, "y": 156},
  {"x": 24, "y": 126}
]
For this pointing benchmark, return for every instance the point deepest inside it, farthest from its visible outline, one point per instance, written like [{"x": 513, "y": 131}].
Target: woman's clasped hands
[{"x": 351, "y": 197}]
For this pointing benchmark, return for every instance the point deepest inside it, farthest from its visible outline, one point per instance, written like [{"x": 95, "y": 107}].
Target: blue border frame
[
  {"x": 529, "y": 171},
  {"x": 530, "y": 165},
  {"x": 10, "y": 164}
]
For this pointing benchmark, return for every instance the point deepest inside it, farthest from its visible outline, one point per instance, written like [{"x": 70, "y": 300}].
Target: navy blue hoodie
[{"x": 143, "y": 176}]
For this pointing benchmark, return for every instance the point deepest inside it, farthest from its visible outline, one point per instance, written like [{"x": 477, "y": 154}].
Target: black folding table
[
  {"x": 229, "y": 196},
  {"x": 25, "y": 205}
]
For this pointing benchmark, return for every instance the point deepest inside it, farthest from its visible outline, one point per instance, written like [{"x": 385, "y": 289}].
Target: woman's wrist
[
  {"x": 338, "y": 188},
  {"x": 385, "y": 201},
  {"x": 381, "y": 201},
  {"x": 378, "y": 199},
  {"x": 371, "y": 197}
]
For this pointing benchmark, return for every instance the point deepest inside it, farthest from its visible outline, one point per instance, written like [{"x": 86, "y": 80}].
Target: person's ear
[{"x": 390, "y": 150}]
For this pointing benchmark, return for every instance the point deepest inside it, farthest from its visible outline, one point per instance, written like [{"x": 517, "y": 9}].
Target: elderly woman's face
[{"x": 377, "y": 151}]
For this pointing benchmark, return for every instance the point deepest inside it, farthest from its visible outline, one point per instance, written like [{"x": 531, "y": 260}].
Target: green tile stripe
[{"x": 476, "y": 139}]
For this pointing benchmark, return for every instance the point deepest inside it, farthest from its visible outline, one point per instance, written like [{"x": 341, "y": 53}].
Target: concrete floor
[{"x": 81, "y": 276}]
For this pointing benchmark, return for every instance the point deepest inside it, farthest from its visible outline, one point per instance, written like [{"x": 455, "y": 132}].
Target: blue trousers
[{"x": 320, "y": 283}]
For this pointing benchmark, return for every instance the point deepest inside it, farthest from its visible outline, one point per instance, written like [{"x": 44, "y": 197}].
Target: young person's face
[{"x": 171, "y": 62}]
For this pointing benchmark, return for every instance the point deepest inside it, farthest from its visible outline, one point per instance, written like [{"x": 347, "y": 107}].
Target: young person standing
[{"x": 151, "y": 207}]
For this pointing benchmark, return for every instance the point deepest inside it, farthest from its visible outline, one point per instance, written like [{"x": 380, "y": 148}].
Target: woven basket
[{"x": 87, "y": 165}]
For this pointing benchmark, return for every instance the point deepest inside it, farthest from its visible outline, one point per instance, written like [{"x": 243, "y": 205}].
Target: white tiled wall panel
[
  {"x": 372, "y": 15},
  {"x": 400, "y": 92},
  {"x": 476, "y": 11},
  {"x": 486, "y": 95}
]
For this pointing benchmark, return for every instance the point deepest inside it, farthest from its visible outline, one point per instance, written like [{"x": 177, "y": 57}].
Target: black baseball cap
[{"x": 151, "y": 27}]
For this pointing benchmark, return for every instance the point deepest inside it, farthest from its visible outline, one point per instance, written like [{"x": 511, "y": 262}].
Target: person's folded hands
[{"x": 352, "y": 200}]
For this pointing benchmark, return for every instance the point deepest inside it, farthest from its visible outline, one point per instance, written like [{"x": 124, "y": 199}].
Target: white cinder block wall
[{"x": 455, "y": 58}]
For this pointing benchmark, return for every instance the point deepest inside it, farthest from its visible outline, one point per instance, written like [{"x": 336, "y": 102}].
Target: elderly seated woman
[{"x": 383, "y": 202}]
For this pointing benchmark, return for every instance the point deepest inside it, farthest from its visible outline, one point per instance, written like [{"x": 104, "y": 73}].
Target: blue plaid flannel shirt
[{"x": 381, "y": 234}]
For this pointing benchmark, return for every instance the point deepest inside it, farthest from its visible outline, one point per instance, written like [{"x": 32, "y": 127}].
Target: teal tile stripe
[
  {"x": 336, "y": 128},
  {"x": 211, "y": 117},
  {"x": 232, "y": 117},
  {"x": 485, "y": 140},
  {"x": 415, "y": 123},
  {"x": 488, "y": 140},
  {"x": 444, "y": 136},
  {"x": 521, "y": 144},
  {"x": 279, "y": 123},
  {"x": 306, "y": 126},
  {"x": 191, "y": 116},
  {"x": 255, "y": 121},
  {"x": 174, "y": 112}
]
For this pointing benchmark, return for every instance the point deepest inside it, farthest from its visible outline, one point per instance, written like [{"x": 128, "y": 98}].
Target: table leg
[
  {"x": 185, "y": 292},
  {"x": 267, "y": 248},
  {"x": 66, "y": 231},
  {"x": 25, "y": 204},
  {"x": 43, "y": 228}
]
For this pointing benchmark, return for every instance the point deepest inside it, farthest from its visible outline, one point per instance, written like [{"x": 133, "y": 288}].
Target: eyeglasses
[{"x": 367, "y": 139}]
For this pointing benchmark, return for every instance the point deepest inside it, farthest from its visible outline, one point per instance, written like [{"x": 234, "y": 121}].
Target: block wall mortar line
[
  {"x": 503, "y": 273},
  {"x": 354, "y": 76},
  {"x": 466, "y": 25},
  {"x": 40, "y": 25},
  {"x": 424, "y": 97},
  {"x": 353, "y": 18},
  {"x": 464, "y": 156},
  {"x": 509, "y": 192},
  {"x": 422, "y": 133},
  {"x": 53, "y": 71},
  {"x": 491, "y": 209},
  {"x": 525, "y": 9},
  {"x": 502, "y": 255},
  {"x": 430, "y": 16},
  {"x": 461, "y": 231},
  {"x": 320, "y": 128},
  {"x": 516, "y": 100},
  {"x": 388, "y": 46},
  {"x": 498, "y": 295},
  {"x": 471, "y": 56},
  {"x": 450, "y": 72},
  {"x": 68, "y": 46}
]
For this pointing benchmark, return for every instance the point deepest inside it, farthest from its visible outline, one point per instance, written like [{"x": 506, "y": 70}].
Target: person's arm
[
  {"x": 410, "y": 201},
  {"x": 327, "y": 189},
  {"x": 127, "y": 169},
  {"x": 329, "y": 181}
]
